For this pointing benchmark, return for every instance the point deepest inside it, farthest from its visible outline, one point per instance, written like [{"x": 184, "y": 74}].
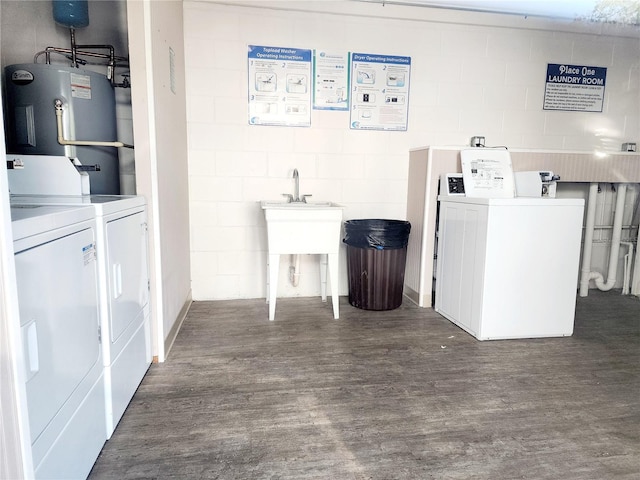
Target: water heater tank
[{"x": 89, "y": 113}]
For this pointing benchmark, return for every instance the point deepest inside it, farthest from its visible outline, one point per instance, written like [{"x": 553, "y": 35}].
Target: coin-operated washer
[{"x": 506, "y": 265}]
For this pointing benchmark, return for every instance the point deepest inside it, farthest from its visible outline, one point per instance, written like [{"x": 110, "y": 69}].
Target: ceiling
[{"x": 561, "y": 9}]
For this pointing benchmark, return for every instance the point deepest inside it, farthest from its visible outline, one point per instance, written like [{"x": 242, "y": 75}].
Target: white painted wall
[
  {"x": 467, "y": 79},
  {"x": 161, "y": 158}
]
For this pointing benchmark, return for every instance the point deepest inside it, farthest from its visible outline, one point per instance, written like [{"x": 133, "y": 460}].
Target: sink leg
[
  {"x": 323, "y": 276},
  {"x": 333, "y": 278},
  {"x": 274, "y": 267},
  {"x": 267, "y": 279}
]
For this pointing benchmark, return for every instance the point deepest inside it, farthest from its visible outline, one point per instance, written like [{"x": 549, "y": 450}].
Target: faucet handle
[
  {"x": 289, "y": 197},
  {"x": 304, "y": 197}
]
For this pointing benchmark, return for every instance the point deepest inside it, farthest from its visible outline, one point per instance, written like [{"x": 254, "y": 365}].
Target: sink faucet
[
  {"x": 295, "y": 198},
  {"x": 296, "y": 191}
]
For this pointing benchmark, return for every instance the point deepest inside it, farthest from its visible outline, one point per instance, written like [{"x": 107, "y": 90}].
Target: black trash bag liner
[{"x": 376, "y": 233}]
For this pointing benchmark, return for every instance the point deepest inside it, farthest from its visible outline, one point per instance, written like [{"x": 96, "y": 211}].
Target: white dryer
[
  {"x": 57, "y": 283},
  {"x": 122, "y": 255}
]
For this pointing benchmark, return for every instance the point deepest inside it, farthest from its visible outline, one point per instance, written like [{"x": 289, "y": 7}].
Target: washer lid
[
  {"x": 103, "y": 204},
  {"x": 28, "y": 220}
]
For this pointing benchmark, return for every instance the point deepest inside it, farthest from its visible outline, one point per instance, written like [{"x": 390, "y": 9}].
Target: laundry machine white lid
[
  {"x": 28, "y": 220},
  {"x": 103, "y": 204}
]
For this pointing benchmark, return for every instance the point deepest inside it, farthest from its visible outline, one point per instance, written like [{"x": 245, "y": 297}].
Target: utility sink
[
  {"x": 303, "y": 228},
  {"x": 299, "y": 205},
  {"x": 299, "y": 227}
]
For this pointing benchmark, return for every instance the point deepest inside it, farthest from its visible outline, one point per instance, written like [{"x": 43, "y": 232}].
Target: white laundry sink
[
  {"x": 303, "y": 228},
  {"x": 299, "y": 227},
  {"x": 299, "y": 205}
]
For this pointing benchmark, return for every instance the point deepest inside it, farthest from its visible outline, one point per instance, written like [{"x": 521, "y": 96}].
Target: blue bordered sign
[
  {"x": 279, "y": 86},
  {"x": 330, "y": 80},
  {"x": 574, "y": 88},
  {"x": 379, "y": 91}
]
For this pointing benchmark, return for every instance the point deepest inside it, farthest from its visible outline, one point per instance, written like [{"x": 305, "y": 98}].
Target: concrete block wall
[{"x": 466, "y": 79}]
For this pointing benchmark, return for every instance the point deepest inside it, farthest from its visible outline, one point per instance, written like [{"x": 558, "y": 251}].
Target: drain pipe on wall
[
  {"x": 628, "y": 260},
  {"x": 615, "y": 246},
  {"x": 294, "y": 270},
  {"x": 635, "y": 283},
  {"x": 585, "y": 270}
]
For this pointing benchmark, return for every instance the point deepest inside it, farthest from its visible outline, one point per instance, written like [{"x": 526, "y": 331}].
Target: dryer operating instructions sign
[
  {"x": 379, "y": 91},
  {"x": 576, "y": 88}
]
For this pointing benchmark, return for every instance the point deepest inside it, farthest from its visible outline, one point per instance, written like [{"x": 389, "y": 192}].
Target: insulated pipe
[
  {"x": 615, "y": 244},
  {"x": 63, "y": 141},
  {"x": 585, "y": 269}
]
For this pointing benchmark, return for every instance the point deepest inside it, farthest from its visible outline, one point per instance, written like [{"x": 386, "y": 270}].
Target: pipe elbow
[{"x": 600, "y": 283}]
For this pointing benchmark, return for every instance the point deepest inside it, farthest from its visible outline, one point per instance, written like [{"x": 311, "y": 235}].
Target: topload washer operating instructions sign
[{"x": 279, "y": 86}]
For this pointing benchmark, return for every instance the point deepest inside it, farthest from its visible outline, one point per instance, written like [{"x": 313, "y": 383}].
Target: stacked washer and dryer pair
[
  {"x": 81, "y": 258},
  {"x": 83, "y": 291}
]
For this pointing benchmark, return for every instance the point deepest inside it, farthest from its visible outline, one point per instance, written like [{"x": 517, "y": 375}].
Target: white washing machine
[
  {"x": 57, "y": 282},
  {"x": 122, "y": 255},
  {"x": 508, "y": 267}
]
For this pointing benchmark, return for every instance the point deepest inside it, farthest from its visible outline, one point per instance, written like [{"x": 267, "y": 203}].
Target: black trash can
[{"x": 376, "y": 258}]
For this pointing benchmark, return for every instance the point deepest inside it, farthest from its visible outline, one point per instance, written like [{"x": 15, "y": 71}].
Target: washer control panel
[{"x": 452, "y": 184}]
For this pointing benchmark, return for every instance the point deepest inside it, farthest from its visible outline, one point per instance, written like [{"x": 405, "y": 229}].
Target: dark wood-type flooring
[{"x": 401, "y": 394}]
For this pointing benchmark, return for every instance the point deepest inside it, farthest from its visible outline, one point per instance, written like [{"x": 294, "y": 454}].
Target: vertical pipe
[
  {"x": 615, "y": 243},
  {"x": 628, "y": 260},
  {"x": 72, "y": 32},
  {"x": 294, "y": 270},
  {"x": 635, "y": 282},
  {"x": 588, "y": 240}
]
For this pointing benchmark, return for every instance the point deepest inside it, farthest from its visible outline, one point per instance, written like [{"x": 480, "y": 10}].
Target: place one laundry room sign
[{"x": 575, "y": 88}]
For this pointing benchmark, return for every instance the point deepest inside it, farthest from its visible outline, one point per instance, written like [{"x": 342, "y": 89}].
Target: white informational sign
[
  {"x": 574, "y": 88},
  {"x": 487, "y": 173},
  {"x": 81, "y": 86},
  {"x": 279, "y": 86},
  {"x": 379, "y": 91},
  {"x": 331, "y": 80}
]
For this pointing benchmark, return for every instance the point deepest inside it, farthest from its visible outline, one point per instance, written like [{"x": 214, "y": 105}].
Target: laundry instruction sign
[
  {"x": 575, "y": 88},
  {"x": 279, "y": 86},
  {"x": 379, "y": 91}
]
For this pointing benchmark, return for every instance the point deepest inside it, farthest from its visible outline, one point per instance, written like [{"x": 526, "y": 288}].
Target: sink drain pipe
[
  {"x": 628, "y": 261},
  {"x": 294, "y": 270},
  {"x": 586, "y": 273}
]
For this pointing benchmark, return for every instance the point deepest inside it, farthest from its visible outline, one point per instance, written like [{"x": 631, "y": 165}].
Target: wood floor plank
[{"x": 378, "y": 395}]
